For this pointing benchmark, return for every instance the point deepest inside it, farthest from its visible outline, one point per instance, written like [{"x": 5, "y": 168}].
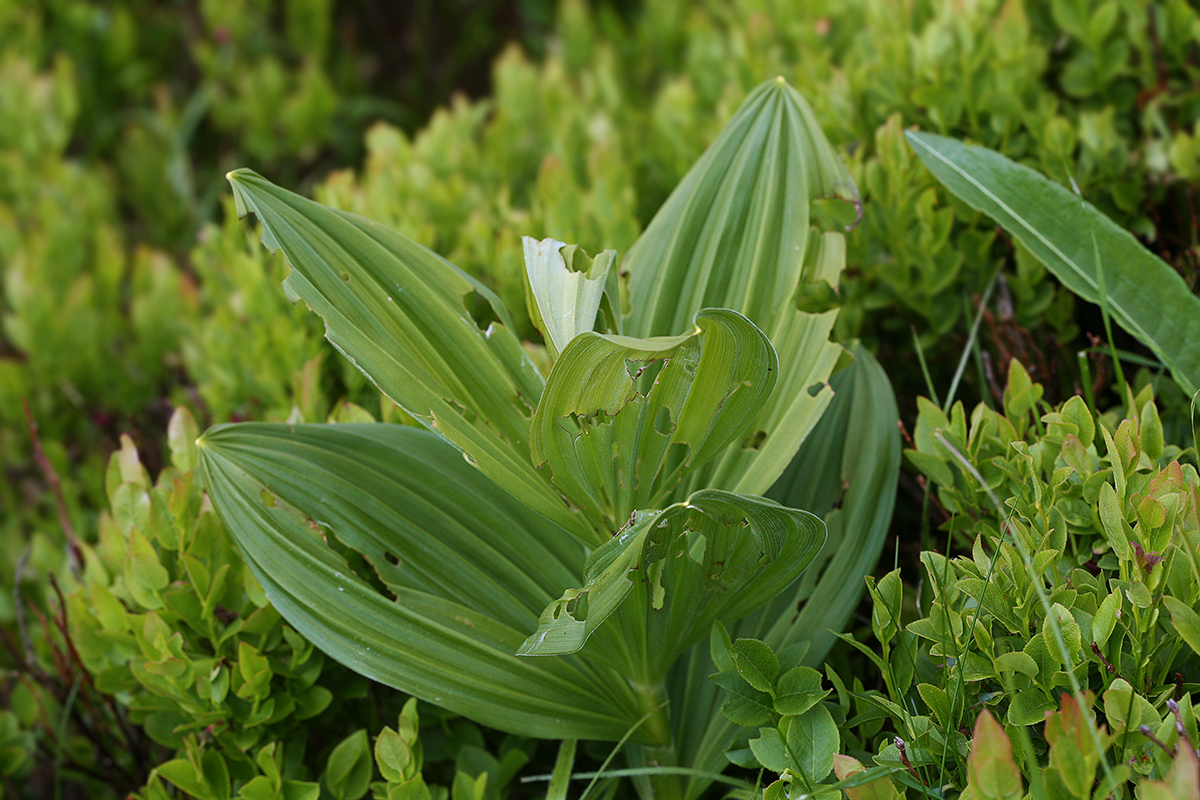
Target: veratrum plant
[{"x": 543, "y": 556}]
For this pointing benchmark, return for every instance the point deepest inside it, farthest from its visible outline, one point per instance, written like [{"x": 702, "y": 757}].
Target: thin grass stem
[
  {"x": 1051, "y": 619},
  {"x": 972, "y": 343}
]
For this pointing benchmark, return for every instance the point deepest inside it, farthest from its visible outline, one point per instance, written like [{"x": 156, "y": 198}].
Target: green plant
[{"x": 648, "y": 516}]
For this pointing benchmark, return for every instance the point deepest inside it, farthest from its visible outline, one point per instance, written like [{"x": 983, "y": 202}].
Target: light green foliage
[
  {"x": 984, "y": 70},
  {"x": 175, "y": 630},
  {"x": 88, "y": 326}
]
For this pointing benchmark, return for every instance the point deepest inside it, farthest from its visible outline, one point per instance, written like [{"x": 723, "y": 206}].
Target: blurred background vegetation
[{"x": 129, "y": 290}]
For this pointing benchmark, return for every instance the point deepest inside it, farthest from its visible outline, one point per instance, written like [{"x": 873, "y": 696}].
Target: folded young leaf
[
  {"x": 398, "y": 311},
  {"x": 566, "y": 294},
  {"x": 1066, "y": 233},
  {"x": 664, "y": 579},
  {"x": 613, "y": 446},
  {"x": 469, "y": 567}
]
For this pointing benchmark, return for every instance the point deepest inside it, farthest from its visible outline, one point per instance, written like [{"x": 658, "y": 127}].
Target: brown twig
[
  {"x": 904, "y": 760},
  {"x": 60, "y": 622},
  {"x": 75, "y": 556},
  {"x": 72, "y": 671},
  {"x": 1103, "y": 661},
  {"x": 19, "y": 610},
  {"x": 1149, "y": 734}
]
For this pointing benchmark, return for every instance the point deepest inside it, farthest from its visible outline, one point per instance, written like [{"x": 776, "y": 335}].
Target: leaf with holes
[
  {"x": 623, "y": 421},
  {"x": 667, "y": 576}
]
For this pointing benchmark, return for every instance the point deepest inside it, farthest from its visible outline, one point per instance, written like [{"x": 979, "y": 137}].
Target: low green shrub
[
  {"x": 1075, "y": 604},
  {"x": 171, "y": 669}
]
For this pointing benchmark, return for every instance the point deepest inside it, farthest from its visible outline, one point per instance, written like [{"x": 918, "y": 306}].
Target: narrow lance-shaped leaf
[
  {"x": 398, "y": 311},
  {"x": 1145, "y": 296},
  {"x": 754, "y": 227},
  {"x": 613, "y": 446},
  {"x": 465, "y": 567}
]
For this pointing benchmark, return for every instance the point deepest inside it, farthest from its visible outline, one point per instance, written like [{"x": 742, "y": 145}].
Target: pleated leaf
[
  {"x": 750, "y": 228},
  {"x": 662, "y": 581},
  {"x": 398, "y": 312},
  {"x": 454, "y": 570},
  {"x": 1082, "y": 247},
  {"x": 615, "y": 444}
]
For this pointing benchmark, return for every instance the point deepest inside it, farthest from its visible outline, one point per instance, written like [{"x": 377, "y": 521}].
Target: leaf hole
[
  {"x": 480, "y": 309},
  {"x": 816, "y": 388},
  {"x": 836, "y": 213},
  {"x": 754, "y": 441},
  {"x": 391, "y": 558},
  {"x": 468, "y": 415},
  {"x": 522, "y": 405},
  {"x": 662, "y": 421},
  {"x": 645, "y": 374}
]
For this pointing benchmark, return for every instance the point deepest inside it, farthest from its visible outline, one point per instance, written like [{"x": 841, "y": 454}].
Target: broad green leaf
[
  {"x": 771, "y": 750},
  {"x": 756, "y": 663},
  {"x": 183, "y": 774},
  {"x": 799, "y": 689},
  {"x": 349, "y": 768},
  {"x": 666, "y": 577},
  {"x": 1145, "y": 296},
  {"x": 566, "y": 287},
  {"x": 744, "y": 705},
  {"x": 465, "y": 569},
  {"x": 399, "y": 312},
  {"x": 614, "y": 446},
  {"x": 746, "y": 230},
  {"x": 1186, "y": 621},
  {"x": 813, "y": 739},
  {"x": 847, "y": 471},
  {"x": 991, "y": 771},
  {"x": 735, "y": 232}
]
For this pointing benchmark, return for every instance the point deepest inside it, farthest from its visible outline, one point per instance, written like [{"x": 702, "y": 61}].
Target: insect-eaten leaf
[
  {"x": 622, "y": 421},
  {"x": 567, "y": 289},
  {"x": 668, "y": 575}
]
